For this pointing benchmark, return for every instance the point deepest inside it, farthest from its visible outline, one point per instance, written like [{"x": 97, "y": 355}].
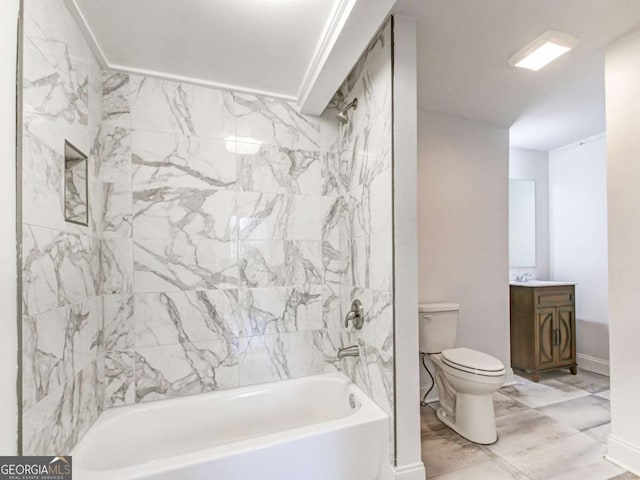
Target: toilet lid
[{"x": 472, "y": 361}]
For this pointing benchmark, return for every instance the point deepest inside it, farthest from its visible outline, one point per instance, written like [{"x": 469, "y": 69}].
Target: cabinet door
[
  {"x": 566, "y": 324},
  {"x": 545, "y": 325}
]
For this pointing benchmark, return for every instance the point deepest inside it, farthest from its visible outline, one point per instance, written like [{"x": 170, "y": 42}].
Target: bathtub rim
[{"x": 368, "y": 412}]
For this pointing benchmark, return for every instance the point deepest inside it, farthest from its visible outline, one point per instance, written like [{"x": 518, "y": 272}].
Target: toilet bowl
[
  {"x": 466, "y": 385},
  {"x": 466, "y": 378}
]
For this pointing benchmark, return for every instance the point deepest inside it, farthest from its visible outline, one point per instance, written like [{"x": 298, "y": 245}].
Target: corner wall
[
  {"x": 578, "y": 237},
  {"x": 463, "y": 167},
  {"x": 622, "y": 77},
  {"x": 8, "y": 281}
]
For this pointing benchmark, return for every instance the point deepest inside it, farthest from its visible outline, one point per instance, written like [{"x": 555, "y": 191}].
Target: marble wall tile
[
  {"x": 57, "y": 269},
  {"x": 269, "y": 358},
  {"x": 332, "y": 318},
  {"x": 269, "y": 216},
  {"x": 188, "y": 368},
  {"x": 166, "y": 106},
  {"x": 116, "y": 262},
  {"x": 50, "y": 26},
  {"x": 184, "y": 263},
  {"x": 275, "y": 263},
  {"x": 119, "y": 327},
  {"x": 56, "y": 346},
  {"x": 171, "y": 318},
  {"x": 275, "y": 122},
  {"x": 119, "y": 91},
  {"x": 55, "y": 85},
  {"x": 117, "y": 210},
  {"x": 42, "y": 192},
  {"x": 284, "y": 309},
  {"x": 163, "y": 160},
  {"x": 282, "y": 170},
  {"x": 62, "y": 417},
  {"x": 119, "y": 378},
  {"x": 113, "y": 154}
]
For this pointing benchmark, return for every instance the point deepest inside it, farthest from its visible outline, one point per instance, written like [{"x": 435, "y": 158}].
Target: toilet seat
[{"x": 473, "y": 362}]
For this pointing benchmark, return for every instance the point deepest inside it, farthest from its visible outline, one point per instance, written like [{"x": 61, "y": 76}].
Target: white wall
[
  {"x": 534, "y": 165},
  {"x": 405, "y": 122},
  {"x": 463, "y": 169},
  {"x": 623, "y": 172},
  {"x": 578, "y": 237},
  {"x": 8, "y": 281}
]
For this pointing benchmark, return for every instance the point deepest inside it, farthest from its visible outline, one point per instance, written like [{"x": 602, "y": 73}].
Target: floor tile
[
  {"x": 428, "y": 419},
  {"x": 492, "y": 470},
  {"x": 585, "y": 380},
  {"x": 600, "y": 433},
  {"x": 577, "y": 457},
  {"x": 536, "y": 395},
  {"x": 606, "y": 394},
  {"x": 581, "y": 413},
  {"x": 522, "y": 430},
  {"x": 443, "y": 450},
  {"x": 504, "y": 405}
]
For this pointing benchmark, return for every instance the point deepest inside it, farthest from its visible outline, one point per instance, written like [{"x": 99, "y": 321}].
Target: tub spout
[{"x": 352, "y": 351}]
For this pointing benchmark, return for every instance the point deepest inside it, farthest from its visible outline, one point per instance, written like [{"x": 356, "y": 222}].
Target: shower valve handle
[{"x": 355, "y": 315}]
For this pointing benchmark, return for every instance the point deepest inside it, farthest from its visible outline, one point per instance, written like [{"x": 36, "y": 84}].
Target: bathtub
[{"x": 314, "y": 428}]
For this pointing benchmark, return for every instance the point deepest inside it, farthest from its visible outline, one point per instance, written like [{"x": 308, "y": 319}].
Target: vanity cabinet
[{"x": 543, "y": 328}]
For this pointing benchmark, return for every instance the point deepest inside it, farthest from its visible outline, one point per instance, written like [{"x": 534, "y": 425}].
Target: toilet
[{"x": 466, "y": 378}]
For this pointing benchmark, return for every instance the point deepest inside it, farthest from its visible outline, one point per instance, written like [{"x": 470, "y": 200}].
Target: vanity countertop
[{"x": 541, "y": 283}]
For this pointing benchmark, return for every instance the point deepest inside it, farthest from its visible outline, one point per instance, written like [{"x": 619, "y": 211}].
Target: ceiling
[
  {"x": 463, "y": 47},
  {"x": 302, "y": 49},
  {"x": 256, "y": 45}
]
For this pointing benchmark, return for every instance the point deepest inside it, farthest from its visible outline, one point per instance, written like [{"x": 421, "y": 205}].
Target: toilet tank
[{"x": 438, "y": 326}]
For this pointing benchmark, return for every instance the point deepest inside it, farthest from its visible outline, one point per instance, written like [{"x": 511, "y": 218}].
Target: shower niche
[{"x": 76, "y": 203}]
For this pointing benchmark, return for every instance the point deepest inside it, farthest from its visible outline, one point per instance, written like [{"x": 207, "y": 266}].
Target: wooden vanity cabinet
[{"x": 543, "y": 329}]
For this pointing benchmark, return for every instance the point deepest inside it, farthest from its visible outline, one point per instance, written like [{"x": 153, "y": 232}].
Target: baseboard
[
  {"x": 414, "y": 471},
  {"x": 623, "y": 454},
  {"x": 593, "y": 364}
]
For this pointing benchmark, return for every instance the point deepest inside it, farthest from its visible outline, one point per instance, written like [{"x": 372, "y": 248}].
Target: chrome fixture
[
  {"x": 352, "y": 351},
  {"x": 343, "y": 114},
  {"x": 356, "y": 315},
  {"x": 524, "y": 277}
]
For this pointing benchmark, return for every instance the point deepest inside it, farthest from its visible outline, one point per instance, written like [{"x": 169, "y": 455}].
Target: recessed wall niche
[{"x": 76, "y": 207}]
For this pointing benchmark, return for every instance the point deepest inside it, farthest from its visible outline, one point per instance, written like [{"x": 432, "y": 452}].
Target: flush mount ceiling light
[{"x": 543, "y": 50}]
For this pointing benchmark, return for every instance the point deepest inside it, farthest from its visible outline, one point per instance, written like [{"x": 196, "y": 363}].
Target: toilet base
[{"x": 474, "y": 418}]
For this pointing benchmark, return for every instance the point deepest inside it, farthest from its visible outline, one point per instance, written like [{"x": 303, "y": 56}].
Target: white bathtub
[{"x": 314, "y": 428}]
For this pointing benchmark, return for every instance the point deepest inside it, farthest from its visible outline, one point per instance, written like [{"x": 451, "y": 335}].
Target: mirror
[{"x": 522, "y": 223}]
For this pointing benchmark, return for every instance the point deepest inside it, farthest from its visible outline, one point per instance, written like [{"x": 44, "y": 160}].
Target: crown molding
[
  {"x": 337, "y": 19},
  {"x": 199, "y": 82}
]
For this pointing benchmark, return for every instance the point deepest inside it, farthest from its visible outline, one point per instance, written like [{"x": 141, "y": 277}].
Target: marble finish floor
[{"x": 552, "y": 430}]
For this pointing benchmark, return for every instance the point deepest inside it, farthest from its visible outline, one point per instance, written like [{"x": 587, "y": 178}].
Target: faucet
[
  {"x": 355, "y": 315},
  {"x": 523, "y": 277},
  {"x": 351, "y": 351}
]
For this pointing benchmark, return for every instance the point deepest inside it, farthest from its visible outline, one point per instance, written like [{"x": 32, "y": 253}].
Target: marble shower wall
[
  {"x": 62, "y": 360},
  {"x": 365, "y": 180},
  {"x": 220, "y": 240}
]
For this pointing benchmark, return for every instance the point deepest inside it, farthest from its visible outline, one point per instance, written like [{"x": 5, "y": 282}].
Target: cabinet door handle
[{"x": 556, "y": 336}]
